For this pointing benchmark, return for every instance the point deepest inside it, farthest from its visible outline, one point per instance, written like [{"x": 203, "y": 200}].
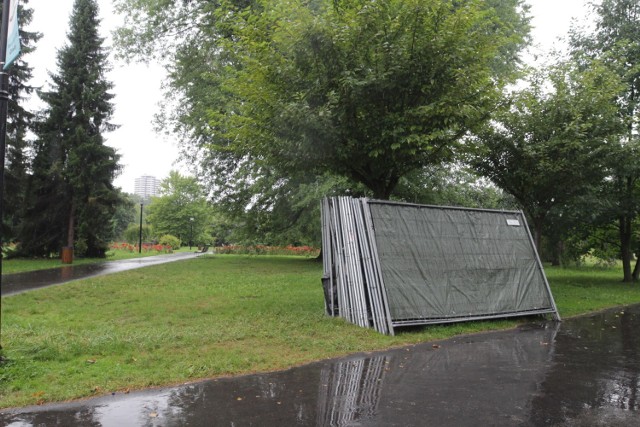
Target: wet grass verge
[
  {"x": 208, "y": 317},
  {"x": 22, "y": 265},
  {"x": 587, "y": 289}
]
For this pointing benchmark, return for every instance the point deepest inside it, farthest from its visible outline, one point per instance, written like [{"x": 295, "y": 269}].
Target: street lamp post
[
  {"x": 9, "y": 43},
  {"x": 140, "y": 232},
  {"x": 4, "y": 101},
  {"x": 191, "y": 232}
]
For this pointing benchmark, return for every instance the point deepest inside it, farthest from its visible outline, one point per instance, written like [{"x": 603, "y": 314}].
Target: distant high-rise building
[{"x": 146, "y": 186}]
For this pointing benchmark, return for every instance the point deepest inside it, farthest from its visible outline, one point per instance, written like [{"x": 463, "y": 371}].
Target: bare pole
[
  {"x": 4, "y": 105},
  {"x": 140, "y": 232}
]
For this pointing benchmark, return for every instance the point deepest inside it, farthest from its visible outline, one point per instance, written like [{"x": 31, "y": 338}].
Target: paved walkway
[
  {"x": 582, "y": 372},
  {"x": 22, "y": 282}
]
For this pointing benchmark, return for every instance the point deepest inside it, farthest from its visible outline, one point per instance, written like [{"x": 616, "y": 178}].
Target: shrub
[
  {"x": 10, "y": 250},
  {"x": 123, "y": 246},
  {"x": 161, "y": 249},
  {"x": 132, "y": 233},
  {"x": 146, "y": 248},
  {"x": 307, "y": 251},
  {"x": 80, "y": 247},
  {"x": 169, "y": 240}
]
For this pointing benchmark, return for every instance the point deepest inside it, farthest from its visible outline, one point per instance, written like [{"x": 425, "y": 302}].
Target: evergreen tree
[
  {"x": 19, "y": 123},
  {"x": 72, "y": 198}
]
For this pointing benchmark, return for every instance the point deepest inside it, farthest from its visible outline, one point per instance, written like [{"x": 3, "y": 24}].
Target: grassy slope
[{"x": 208, "y": 317}]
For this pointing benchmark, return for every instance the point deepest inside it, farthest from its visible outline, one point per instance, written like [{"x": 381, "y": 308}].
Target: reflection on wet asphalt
[
  {"x": 22, "y": 282},
  {"x": 585, "y": 371}
]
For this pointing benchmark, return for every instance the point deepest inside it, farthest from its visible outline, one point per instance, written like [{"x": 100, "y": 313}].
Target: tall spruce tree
[
  {"x": 71, "y": 194},
  {"x": 19, "y": 123}
]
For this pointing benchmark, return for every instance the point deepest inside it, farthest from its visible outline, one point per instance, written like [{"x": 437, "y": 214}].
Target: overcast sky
[{"x": 137, "y": 87}]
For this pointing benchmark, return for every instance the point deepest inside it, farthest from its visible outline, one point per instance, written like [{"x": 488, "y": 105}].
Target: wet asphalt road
[
  {"x": 582, "y": 372},
  {"x": 22, "y": 282}
]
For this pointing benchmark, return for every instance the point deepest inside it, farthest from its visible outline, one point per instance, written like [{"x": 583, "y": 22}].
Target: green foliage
[
  {"x": 80, "y": 247},
  {"x": 71, "y": 196},
  {"x": 132, "y": 233},
  {"x": 127, "y": 212},
  {"x": 274, "y": 211},
  {"x": 41, "y": 231},
  {"x": 281, "y": 103},
  {"x": 169, "y": 240},
  {"x": 20, "y": 123},
  {"x": 548, "y": 144},
  {"x": 222, "y": 227},
  {"x": 616, "y": 43},
  {"x": 370, "y": 91},
  {"x": 181, "y": 210},
  {"x": 452, "y": 185}
]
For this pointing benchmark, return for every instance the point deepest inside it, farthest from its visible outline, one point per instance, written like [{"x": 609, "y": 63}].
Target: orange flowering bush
[{"x": 146, "y": 247}]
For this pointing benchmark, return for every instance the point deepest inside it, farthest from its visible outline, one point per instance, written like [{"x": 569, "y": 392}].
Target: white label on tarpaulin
[{"x": 513, "y": 222}]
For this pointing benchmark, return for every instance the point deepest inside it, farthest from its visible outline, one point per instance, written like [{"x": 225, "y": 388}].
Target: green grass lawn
[
  {"x": 208, "y": 317},
  {"x": 586, "y": 289}
]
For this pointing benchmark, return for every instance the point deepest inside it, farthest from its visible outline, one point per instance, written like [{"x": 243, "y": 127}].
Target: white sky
[{"x": 137, "y": 87}]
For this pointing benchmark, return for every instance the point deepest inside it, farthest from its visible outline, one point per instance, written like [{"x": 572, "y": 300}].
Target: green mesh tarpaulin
[
  {"x": 444, "y": 263},
  {"x": 392, "y": 264}
]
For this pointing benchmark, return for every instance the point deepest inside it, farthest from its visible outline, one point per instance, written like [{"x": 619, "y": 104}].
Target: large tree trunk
[
  {"x": 624, "y": 225},
  {"x": 636, "y": 269},
  {"x": 558, "y": 250},
  {"x": 382, "y": 188},
  {"x": 71, "y": 225},
  {"x": 538, "y": 222}
]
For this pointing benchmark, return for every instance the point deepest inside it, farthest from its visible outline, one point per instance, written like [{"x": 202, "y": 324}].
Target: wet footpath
[
  {"x": 23, "y": 282},
  {"x": 581, "y": 372}
]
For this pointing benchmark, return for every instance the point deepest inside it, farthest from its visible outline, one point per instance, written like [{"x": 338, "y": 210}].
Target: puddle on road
[{"x": 584, "y": 371}]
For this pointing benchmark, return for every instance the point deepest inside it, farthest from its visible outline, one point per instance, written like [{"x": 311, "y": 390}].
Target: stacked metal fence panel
[
  {"x": 350, "y": 391},
  {"x": 352, "y": 276},
  {"x": 355, "y": 271}
]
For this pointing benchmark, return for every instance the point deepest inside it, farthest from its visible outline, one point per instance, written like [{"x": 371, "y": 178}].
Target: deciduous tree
[
  {"x": 369, "y": 90},
  {"x": 181, "y": 209},
  {"x": 288, "y": 92},
  {"x": 549, "y": 143},
  {"x": 616, "y": 42}
]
